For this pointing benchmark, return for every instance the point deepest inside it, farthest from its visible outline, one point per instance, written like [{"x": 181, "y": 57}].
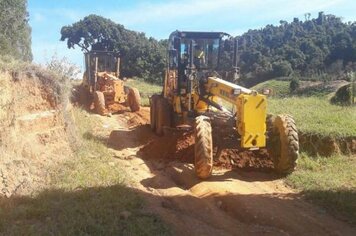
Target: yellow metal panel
[
  {"x": 225, "y": 89},
  {"x": 120, "y": 96},
  {"x": 177, "y": 105},
  {"x": 251, "y": 121},
  {"x": 200, "y": 106}
]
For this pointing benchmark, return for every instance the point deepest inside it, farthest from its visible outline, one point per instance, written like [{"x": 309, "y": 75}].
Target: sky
[{"x": 158, "y": 18}]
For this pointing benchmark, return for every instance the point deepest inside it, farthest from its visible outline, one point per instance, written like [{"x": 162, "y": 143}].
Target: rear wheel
[
  {"x": 283, "y": 144},
  {"x": 153, "y": 111},
  {"x": 162, "y": 115},
  {"x": 99, "y": 102},
  {"x": 134, "y": 99},
  {"x": 203, "y": 158}
]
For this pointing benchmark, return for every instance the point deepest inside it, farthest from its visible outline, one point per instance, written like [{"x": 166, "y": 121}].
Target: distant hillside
[{"x": 324, "y": 45}]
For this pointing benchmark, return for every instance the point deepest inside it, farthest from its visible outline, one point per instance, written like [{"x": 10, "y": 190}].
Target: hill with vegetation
[{"x": 322, "y": 48}]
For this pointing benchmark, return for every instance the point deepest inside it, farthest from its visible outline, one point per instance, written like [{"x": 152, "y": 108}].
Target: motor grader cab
[
  {"x": 192, "y": 91},
  {"x": 102, "y": 80}
]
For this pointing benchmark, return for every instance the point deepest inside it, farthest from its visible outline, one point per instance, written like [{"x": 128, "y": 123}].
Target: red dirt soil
[{"x": 230, "y": 202}]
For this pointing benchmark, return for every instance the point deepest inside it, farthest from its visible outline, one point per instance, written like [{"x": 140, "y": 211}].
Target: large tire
[
  {"x": 283, "y": 144},
  {"x": 99, "y": 102},
  {"x": 134, "y": 99},
  {"x": 153, "y": 111},
  {"x": 203, "y": 158},
  {"x": 83, "y": 96},
  {"x": 163, "y": 113}
]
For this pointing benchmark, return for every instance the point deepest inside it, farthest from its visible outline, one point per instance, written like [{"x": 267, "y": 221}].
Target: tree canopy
[
  {"x": 304, "y": 48},
  {"x": 323, "y": 45},
  {"x": 15, "y": 32},
  {"x": 141, "y": 56}
]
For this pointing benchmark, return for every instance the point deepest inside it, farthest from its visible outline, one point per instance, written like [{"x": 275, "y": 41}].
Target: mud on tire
[
  {"x": 283, "y": 144},
  {"x": 99, "y": 102},
  {"x": 203, "y": 158},
  {"x": 134, "y": 99}
]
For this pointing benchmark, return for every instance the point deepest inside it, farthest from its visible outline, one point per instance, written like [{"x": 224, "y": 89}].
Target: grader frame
[{"x": 190, "y": 98}]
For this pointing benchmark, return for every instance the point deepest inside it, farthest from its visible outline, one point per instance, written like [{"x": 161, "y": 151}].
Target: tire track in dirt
[{"x": 232, "y": 202}]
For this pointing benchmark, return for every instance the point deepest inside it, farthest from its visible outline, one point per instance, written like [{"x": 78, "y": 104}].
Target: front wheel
[
  {"x": 203, "y": 157},
  {"x": 134, "y": 99},
  {"x": 283, "y": 144},
  {"x": 99, "y": 102}
]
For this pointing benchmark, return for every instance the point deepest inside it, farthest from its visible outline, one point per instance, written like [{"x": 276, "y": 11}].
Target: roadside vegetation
[
  {"x": 146, "y": 89},
  {"x": 329, "y": 182},
  {"x": 88, "y": 195},
  {"x": 316, "y": 115}
]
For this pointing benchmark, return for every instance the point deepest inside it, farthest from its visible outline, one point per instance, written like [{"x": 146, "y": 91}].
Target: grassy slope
[
  {"x": 317, "y": 115},
  {"x": 87, "y": 195},
  {"x": 329, "y": 182},
  {"x": 146, "y": 89},
  {"x": 279, "y": 88}
]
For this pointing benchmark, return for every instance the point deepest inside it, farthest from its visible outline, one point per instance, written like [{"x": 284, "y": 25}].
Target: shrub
[{"x": 294, "y": 84}]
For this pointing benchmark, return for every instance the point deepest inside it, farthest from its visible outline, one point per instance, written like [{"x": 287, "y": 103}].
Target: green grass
[
  {"x": 329, "y": 182},
  {"x": 87, "y": 196},
  {"x": 146, "y": 89},
  {"x": 317, "y": 115},
  {"x": 279, "y": 88}
]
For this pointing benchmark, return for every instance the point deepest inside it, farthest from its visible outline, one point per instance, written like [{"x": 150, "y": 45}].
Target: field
[
  {"x": 146, "y": 89},
  {"x": 316, "y": 115},
  {"x": 329, "y": 182}
]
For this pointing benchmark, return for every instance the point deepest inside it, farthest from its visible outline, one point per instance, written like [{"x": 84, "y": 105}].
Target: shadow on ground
[{"x": 120, "y": 210}]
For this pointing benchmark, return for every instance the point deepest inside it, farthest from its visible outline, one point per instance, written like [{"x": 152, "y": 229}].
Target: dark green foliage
[
  {"x": 343, "y": 96},
  {"x": 281, "y": 68},
  {"x": 15, "y": 32},
  {"x": 305, "y": 48},
  {"x": 141, "y": 56},
  {"x": 294, "y": 84}
]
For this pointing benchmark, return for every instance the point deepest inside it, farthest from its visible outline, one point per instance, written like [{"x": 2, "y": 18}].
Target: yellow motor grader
[
  {"x": 101, "y": 80},
  {"x": 191, "y": 99}
]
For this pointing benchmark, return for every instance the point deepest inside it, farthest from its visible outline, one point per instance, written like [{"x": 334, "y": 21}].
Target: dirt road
[{"x": 242, "y": 201}]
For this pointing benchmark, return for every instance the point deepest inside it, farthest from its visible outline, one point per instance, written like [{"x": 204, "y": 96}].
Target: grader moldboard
[
  {"x": 101, "y": 80},
  {"x": 190, "y": 98}
]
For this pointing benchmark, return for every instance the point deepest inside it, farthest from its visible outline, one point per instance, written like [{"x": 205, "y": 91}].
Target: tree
[
  {"x": 281, "y": 68},
  {"x": 15, "y": 32},
  {"x": 294, "y": 84},
  {"x": 141, "y": 56},
  {"x": 307, "y": 48}
]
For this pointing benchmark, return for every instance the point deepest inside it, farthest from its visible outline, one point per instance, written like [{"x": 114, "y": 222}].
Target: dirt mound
[
  {"x": 180, "y": 146},
  {"x": 137, "y": 118},
  {"x": 315, "y": 144},
  {"x": 173, "y": 146},
  {"x": 33, "y": 133}
]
